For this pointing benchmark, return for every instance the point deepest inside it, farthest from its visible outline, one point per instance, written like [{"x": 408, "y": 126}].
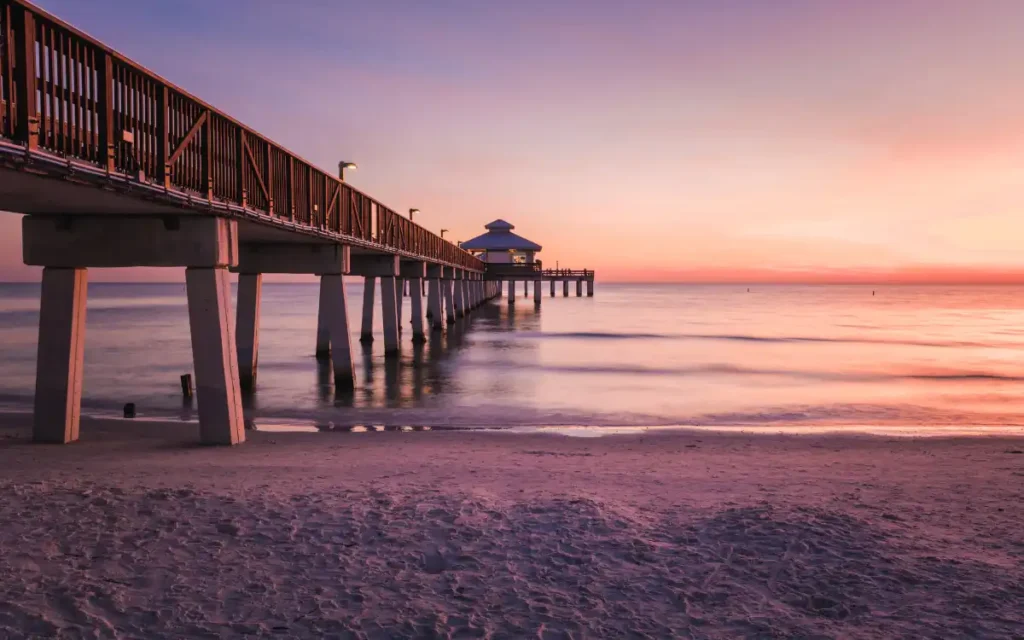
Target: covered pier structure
[{"x": 511, "y": 258}]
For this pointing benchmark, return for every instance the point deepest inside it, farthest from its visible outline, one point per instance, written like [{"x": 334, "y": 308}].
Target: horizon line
[{"x": 864, "y": 283}]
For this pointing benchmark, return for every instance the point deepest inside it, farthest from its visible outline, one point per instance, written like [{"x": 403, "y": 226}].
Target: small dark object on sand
[{"x": 129, "y": 410}]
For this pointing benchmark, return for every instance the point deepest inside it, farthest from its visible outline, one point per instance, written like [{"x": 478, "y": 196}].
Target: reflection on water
[
  {"x": 640, "y": 355},
  {"x": 421, "y": 370},
  {"x": 330, "y": 427}
]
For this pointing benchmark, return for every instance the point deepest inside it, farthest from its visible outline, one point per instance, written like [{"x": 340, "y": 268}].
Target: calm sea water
[{"x": 632, "y": 355}]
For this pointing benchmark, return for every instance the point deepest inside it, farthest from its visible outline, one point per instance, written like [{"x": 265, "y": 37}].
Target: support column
[
  {"x": 449, "y": 299},
  {"x": 61, "y": 352},
  {"x": 579, "y": 288},
  {"x": 552, "y": 288},
  {"x": 399, "y": 295},
  {"x": 214, "y": 355},
  {"x": 334, "y": 311},
  {"x": 511, "y": 291},
  {"x": 565, "y": 288},
  {"x": 462, "y": 295},
  {"x": 389, "y": 309},
  {"x": 416, "y": 289},
  {"x": 247, "y": 328},
  {"x": 459, "y": 291},
  {"x": 369, "y": 286},
  {"x": 590, "y": 288},
  {"x": 537, "y": 295},
  {"x": 434, "y": 304},
  {"x": 323, "y": 336},
  {"x": 526, "y": 288}
]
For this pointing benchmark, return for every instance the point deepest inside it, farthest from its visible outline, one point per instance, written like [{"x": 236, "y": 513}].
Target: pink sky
[{"x": 726, "y": 139}]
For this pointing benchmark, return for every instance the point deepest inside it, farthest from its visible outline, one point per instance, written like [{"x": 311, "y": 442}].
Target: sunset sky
[{"x": 651, "y": 140}]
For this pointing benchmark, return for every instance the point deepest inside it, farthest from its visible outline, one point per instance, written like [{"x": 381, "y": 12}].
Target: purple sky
[{"x": 651, "y": 140}]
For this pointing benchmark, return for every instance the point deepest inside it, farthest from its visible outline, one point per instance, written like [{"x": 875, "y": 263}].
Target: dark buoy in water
[
  {"x": 129, "y": 410},
  {"x": 872, "y": 292}
]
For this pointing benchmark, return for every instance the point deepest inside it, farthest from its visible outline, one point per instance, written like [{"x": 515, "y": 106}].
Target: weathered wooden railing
[{"x": 70, "y": 95}]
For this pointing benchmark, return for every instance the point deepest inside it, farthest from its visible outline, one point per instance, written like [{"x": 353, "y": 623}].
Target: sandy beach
[{"x": 135, "y": 532}]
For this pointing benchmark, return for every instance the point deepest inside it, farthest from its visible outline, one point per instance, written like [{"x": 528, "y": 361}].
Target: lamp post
[
  {"x": 411, "y": 212},
  {"x": 345, "y": 165},
  {"x": 442, "y": 233}
]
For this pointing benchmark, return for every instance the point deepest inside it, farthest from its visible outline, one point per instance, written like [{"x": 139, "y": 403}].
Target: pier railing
[
  {"x": 534, "y": 270},
  {"x": 69, "y": 95}
]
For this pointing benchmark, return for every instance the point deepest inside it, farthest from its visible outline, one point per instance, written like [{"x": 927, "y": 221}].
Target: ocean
[{"x": 764, "y": 356}]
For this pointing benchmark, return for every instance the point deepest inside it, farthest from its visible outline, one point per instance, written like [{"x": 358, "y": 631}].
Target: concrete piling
[
  {"x": 434, "y": 304},
  {"x": 389, "y": 309},
  {"x": 447, "y": 286},
  {"x": 399, "y": 299},
  {"x": 334, "y": 309},
  {"x": 61, "y": 350},
  {"x": 323, "y": 336},
  {"x": 247, "y": 328},
  {"x": 214, "y": 355},
  {"x": 369, "y": 287},
  {"x": 416, "y": 305}
]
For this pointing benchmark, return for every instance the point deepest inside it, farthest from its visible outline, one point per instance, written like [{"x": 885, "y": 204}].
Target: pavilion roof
[{"x": 499, "y": 237}]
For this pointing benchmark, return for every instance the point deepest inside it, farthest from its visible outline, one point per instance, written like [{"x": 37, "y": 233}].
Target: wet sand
[{"x": 136, "y": 532}]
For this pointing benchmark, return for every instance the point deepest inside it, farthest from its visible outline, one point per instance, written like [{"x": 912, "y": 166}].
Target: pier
[{"x": 115, "y": 166}]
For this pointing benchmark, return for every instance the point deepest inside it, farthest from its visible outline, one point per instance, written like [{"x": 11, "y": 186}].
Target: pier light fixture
[
  {"x": 345, "y": 165},
  {"x": 442, "y": 233},
  {"x": 411, "y": 212}
]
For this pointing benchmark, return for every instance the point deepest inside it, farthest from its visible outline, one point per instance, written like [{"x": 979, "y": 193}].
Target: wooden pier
[
  {"x": 117, "y": 167},
  {"x": 536, "y": 274}
]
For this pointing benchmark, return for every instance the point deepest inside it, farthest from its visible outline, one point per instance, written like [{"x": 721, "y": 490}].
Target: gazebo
[{"x": 500, "y": 246}]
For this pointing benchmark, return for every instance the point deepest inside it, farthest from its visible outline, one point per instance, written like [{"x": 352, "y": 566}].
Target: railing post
[
  {"x": 243, "y": 161},
  {"x": 27, "y": 128},
  {"x": 106, "y": 113},
  {"x": 163, "y": 175},
  {"x": 270, "y": 178},
  {"x": 206, "y": 152},
  {"x": 314, "y": 212},
  {"x": 291, "y": 188}
]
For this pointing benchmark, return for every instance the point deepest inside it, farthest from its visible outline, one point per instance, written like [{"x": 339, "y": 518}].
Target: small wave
[
  {"x": 728, "y": 369},
  {"x": 726, "y": 337}
]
